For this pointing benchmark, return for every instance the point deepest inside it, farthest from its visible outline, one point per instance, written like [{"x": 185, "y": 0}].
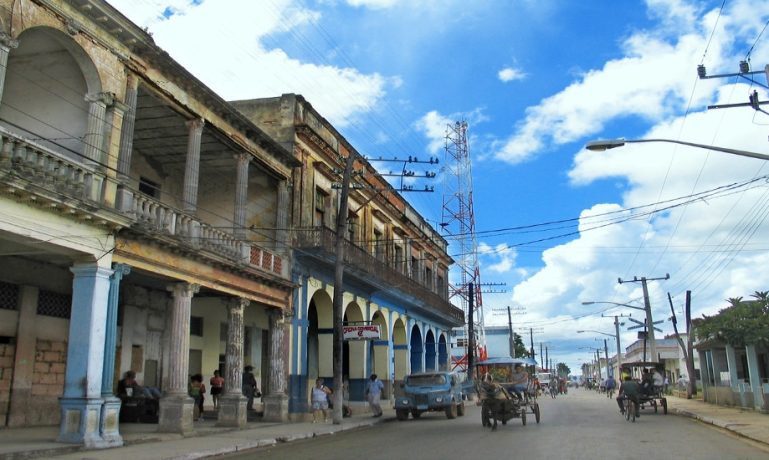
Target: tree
[
  {"x": 562, "y": 370},
  {"x": 520, "y": 348},
  {"x": 742, "y": 323}
]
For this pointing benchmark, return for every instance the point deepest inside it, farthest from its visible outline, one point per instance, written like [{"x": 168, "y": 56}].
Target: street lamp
[
  {"x": 616, "y": 325},
  {"x": 606, "y": 144}
]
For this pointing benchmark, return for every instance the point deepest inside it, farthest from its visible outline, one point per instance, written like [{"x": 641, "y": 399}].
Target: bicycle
[
  {"x": 553, "y": 391},
  {"x": 629, "y": 407}
]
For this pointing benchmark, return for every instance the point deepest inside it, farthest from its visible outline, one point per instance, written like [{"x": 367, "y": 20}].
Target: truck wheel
[
  {"x": 523, "y": 416},
  {"x": 451, "y": 410},
  {"x": 461, "y": 409},
  {"x": 415, "y": 413},
  {"x": 402, "y": 414}
]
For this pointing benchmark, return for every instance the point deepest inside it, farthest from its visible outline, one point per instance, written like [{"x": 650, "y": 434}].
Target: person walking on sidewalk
[
  {"x": 217, "y": 386},
  {"x": 319, "y": 396},
  {"x": 374, "y": 389}
]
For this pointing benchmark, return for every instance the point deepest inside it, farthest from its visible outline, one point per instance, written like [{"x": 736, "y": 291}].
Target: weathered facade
[
  {"x": 396, "y": 265},
  {"x": 734, "y": 376},
  {"x": 128, "y": 194}
]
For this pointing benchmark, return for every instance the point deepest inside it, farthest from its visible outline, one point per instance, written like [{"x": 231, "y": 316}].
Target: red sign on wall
[{"x": 362, "y": 332}]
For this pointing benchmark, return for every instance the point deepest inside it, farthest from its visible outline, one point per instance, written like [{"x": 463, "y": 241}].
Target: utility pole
[
  {"x": 616, "y": 333},
  {"x": 337, "y": 307},
  {"x": 687, "y": 350},
  {"x": 512, "y": 334},
  {"x": 531, "y": 340},
  {"x": 544, "y": 365},
  {"x": 649, "y": 323},
  {"x": 470, "y": 332},
  {"x": 606, "y": 352},
  {"x": 547, "y": 360}
]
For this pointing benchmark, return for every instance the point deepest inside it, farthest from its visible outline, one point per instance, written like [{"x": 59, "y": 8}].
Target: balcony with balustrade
[{"x": 318, "y": 245}]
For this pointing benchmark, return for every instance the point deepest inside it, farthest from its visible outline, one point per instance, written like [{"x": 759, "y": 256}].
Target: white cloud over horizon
[{"x": 213, "y": 56}]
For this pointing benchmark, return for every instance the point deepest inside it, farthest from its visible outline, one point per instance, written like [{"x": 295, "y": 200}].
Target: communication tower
[{"x": 458, "y": 223}]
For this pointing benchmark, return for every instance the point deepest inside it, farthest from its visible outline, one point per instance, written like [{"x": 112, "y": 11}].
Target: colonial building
[
  {"x": 128, "y": 194},
  {"x": 396, "y": 265}
]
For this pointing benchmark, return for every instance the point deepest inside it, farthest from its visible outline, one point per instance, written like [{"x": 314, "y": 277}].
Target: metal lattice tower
[{"x": 458, "y": 222}]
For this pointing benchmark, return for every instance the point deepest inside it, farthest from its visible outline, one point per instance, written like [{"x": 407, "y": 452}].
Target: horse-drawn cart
[{"x": 499, "y": 401}]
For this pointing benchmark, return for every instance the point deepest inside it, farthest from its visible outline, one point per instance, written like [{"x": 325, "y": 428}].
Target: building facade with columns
[
  {"x": 396, "y": 264},
  {"x": 129, "y": 195}
]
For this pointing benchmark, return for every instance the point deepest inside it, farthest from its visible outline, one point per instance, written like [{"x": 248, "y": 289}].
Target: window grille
[
  {"x": 54, "y": 304},
  {"x": 9, "y": 296}
]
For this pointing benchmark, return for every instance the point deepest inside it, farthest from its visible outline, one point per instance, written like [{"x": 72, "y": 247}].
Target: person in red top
[{"x": 217, "y": 387}]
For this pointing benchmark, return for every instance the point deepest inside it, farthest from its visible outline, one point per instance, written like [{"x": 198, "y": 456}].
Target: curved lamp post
[
  {"x": 606, "y": 144},
  {"x": 605, "y": 348}
]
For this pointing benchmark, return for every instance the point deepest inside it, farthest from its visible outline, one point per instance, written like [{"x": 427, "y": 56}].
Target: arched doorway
[
  {"x": 443, "y": 353},
  {"x": 379, "y": 353},
  {"x": 400, "y": 350},
  {"x": 354, "y": 355},
  {"x": 430, "y": 351},
  {"x": 318, "y": 361},
  {"x": 417, "y": 350}
]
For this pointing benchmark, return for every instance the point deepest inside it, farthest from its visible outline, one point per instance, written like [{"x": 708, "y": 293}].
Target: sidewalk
[
  {"x": 748, "y": 424},
  {"x": 144, "y": 442}
]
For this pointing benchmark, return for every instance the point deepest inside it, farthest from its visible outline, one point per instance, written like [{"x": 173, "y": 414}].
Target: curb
[{"x": 718, "y": 423}]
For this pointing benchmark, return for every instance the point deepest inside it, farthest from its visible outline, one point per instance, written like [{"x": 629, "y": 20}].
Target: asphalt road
[{"x": 580, "y": 425}]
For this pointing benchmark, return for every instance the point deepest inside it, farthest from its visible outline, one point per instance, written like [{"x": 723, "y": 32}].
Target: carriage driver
[{"x": 520, "y": 380}]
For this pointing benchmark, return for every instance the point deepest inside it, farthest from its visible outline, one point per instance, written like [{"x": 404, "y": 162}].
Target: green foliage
[
  {"x": 563, "y": 370},
  {"x": 520, "y": 348},
  {"x": 744, "y": 322}
]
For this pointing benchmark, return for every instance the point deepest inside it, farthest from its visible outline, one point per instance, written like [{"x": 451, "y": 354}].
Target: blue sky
[{"x": 535, "y": 80}]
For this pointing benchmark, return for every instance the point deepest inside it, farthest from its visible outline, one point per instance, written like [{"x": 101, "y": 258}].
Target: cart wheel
[
  {"x": 523, "y": 416},
  {"x": 536, "y": 412},
  {"x": 654, "y": 404},
  {"x": 665, "y": 406},
  {"x": 401, "y": 414}
]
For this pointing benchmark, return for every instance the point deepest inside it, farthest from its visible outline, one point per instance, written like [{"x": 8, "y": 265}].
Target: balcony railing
[
  {"x": 324, "y": 239},
  {"x": 59, "y": 176},
  {"x": 161, "y": 218},
  {"x": 49, "y": 170}
]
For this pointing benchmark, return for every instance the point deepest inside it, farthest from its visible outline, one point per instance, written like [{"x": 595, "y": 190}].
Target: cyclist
[
  {"x": 629, "y": 389},
  {"x": 610, "y": 386}
]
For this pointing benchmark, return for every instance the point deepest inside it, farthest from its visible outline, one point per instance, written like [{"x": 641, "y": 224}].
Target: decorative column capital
[
  {"x": 237, "y": 303},
  {"x": 183, "y": 289},
  {"x": 7, "y": 41},
  {"x": 104, "y": 98},
  {"x": 196, "y": 124}
]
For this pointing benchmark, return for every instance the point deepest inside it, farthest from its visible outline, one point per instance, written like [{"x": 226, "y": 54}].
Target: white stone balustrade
[{"x": 49, "y": 169}]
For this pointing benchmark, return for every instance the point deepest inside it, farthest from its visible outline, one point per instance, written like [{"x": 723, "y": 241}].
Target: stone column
[
  {"x": 192, "y": 166},
  {"x": 755, "y": 377},
  {"x": 241, "y": 195},
  {"x": 276, "y": 402},
  {"x": 109, "y": 428},
  {"x": 24, "y": 359},
  {"x": 6, "y": 45},
  {"x": 124, "y": 199},
  {"x": 282, "y": 218},
  {"x": 176, "y": 406},
  {"x": 81, "y": 404},
  {"x": 232, "y": 404},
  {"x": 93, "y": 140}
]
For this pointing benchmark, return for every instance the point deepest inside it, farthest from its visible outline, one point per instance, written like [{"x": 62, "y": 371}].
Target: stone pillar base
[
  {"x": 80, "y": 421},
  {"x": 275, "y": 408},
  {"x": 176, "y": 414},
  {"x": 110, "y": 428},
  {"x": 232, "y": 411}
]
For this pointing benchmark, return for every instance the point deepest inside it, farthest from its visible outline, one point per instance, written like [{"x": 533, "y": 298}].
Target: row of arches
[{"x": 401, "y": 349}]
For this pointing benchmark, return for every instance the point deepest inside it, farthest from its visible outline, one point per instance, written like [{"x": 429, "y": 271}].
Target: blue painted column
[
  {"x": 755, "y": 377},
  {"x": 81, "y": 403},
  {"x": 110, "y": 414}
]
